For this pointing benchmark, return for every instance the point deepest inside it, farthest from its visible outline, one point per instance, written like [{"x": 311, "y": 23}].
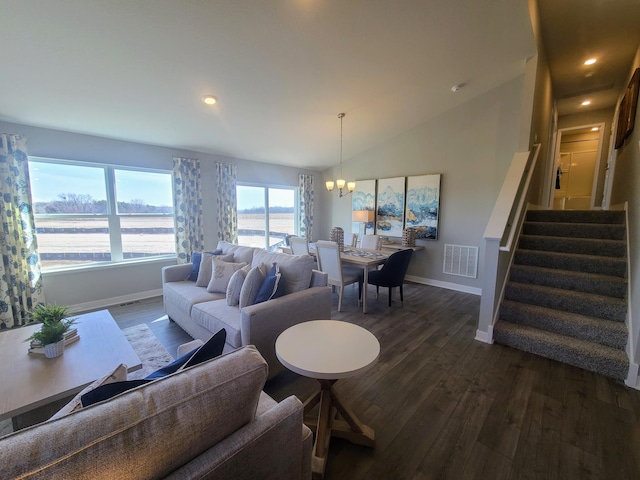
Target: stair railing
[{"x": 500, "y": 234}]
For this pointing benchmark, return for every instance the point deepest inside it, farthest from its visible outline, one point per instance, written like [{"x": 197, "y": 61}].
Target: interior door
[{"x": 576, "y": 180}]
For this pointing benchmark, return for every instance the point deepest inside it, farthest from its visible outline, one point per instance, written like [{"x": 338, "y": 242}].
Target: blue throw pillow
[
  {"x": 104, "y": 392},
  {"x": 196, "y": 258},
  {"x": 213, "y": 348},
  {"x": 269, "y": 286},
  {"x": 279, "y": 287},
  {"x": 280, "y": 282},
  {"x": 172, "y": 367}
]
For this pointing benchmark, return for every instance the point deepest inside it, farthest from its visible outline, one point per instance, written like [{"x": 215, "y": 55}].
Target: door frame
[{"x": 556, "y": 158}]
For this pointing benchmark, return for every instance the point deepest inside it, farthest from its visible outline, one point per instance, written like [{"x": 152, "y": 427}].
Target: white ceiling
[
  {"x": 575, "y": 30},
  {"x": 281, "y": 69}
]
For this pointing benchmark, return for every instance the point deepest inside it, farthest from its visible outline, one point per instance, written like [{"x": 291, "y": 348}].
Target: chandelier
[{"x": 341, "y": 182}]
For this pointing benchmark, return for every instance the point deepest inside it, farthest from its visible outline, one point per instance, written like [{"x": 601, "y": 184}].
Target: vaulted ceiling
[{"x": 281, "y": 69}]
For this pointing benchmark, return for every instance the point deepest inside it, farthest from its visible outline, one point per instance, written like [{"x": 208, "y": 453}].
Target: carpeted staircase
[{"x": 566, "y": 294}]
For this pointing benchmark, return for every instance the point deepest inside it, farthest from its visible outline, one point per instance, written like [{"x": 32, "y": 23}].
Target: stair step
[
  {"x": 575, "y": 230},
  {"x": 577, "y": 216},
  {"x": 572, "y": 261},
  {"x": 569, "y": 280},
  {"x": 599, "y": 306},
  {"x": 583, "y": 246},
  {"x": 579, "y": 353},
  {"x": 605, "y": 332}
]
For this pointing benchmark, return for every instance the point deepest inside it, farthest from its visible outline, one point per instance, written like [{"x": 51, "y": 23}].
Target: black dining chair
[{"x": 390, "y": 275}]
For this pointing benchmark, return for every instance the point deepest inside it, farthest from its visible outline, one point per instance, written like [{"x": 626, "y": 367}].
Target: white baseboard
[
  {"x": 486, "y": 337},
  {"x": 108, "y": 302},
  {"x": 633, "y": 380},
  {"x": 447, "y": 285}
]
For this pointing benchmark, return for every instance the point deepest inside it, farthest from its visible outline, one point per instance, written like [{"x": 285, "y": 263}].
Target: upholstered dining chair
[
  {"x": 350, "y": 239},
  {"x": 390, "y": 275},
  {"x": 299, "y": 245},
  {"x": 329, "y": 262},
  {"x": 371, "y": 242}
]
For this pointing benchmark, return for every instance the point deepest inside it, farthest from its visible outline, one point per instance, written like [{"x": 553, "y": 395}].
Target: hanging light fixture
[{"x": 341, "y": 182}]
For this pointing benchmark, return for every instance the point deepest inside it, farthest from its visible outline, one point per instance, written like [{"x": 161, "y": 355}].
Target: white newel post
[{"x": 488, "y": 299}]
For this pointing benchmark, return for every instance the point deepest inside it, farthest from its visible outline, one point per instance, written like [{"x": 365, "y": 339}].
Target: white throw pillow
[
  {"x": 221, "y": 273},
  {"x": 235, "y": 285},
  {"x": 204, "y": 274},
  {"x": 251, "y": 285},
  {"x": 119, "y": 374}
]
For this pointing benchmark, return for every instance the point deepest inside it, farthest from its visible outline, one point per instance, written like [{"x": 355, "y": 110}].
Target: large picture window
[
  {"x": 88, "y": 213},
  {"x": 266, "y": 215}
]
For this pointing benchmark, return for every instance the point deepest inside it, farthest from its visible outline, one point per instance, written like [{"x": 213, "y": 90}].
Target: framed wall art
[
  {"x": 423, "y": 205},
  {"x": 390, "y": 206},
  {"x": 632, "y": 102},
  {"x": 627, "y": 110}
]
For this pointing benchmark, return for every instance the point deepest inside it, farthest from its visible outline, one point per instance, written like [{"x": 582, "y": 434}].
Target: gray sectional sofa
[
  {"x": 210, "y": 421},
  {"x": 201, "y": 313}
]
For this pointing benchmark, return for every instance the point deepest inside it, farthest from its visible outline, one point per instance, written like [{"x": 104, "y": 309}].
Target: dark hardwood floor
[{"x": 443, "y": 405}]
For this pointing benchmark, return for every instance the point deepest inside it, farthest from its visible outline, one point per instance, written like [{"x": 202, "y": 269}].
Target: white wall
[
  {"x": 625, "y": 189},
  {"x": 93, "y": 288},
  {"x": 471, "y": 146}
]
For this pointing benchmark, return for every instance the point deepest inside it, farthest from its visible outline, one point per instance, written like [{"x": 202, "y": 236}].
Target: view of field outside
[
  {"x": 81, "y": 241},
  {"x": 252, "y": 204},
  {"x": 251, "y": 228},
  {"x": 156, "y": 236},
  {"x": 72, "y": 213}
]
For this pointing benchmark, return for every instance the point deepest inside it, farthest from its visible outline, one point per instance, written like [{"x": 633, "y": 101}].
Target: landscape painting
[
  {"x": 423, "y": 205},
  {"x": 363, "y": 198},
  {"x": 390, "y": 212}
]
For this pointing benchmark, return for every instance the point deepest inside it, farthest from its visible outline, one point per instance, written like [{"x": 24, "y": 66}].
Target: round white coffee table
[{"x": 328, "y": 350}]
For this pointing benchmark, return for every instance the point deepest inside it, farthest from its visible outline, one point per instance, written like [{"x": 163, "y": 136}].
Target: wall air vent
[{"x": 461, "y": 260}]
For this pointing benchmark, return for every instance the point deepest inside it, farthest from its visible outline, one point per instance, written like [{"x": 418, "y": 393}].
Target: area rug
[{"x": 148, "y": 348}]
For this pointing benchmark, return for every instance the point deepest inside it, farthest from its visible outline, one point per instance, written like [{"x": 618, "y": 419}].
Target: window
[
  {"x": 265, "y": 209},
  {"x": 88, "y": 213}
]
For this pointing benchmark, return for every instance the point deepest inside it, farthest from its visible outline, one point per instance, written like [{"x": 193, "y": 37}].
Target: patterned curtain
[
  {"x": 20, "y": 278},
  {"x": 187, "y": 207},
  {"x": 305, "y": 197},
  {"x": 227, "y": 206}
]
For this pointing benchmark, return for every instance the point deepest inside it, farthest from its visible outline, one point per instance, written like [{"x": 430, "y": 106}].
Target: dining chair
[
  {"x": 390, "y": 275},
  {"x": 330, "y": 263},
  {"x": 299, "y": 245},
  {"x": 351, "y": 240},
  {"x": 371, "y": 242}
]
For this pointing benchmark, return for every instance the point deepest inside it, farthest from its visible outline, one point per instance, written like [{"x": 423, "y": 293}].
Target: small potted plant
[{"x": 54, "y": 327}]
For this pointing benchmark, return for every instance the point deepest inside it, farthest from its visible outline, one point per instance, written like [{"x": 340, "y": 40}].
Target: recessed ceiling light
[
  {"x": 595, "y": 129},
  {"x": 591, "y": 61},
  {"x": 209, "y": 99},
  {"x": 585, "y": 103}
]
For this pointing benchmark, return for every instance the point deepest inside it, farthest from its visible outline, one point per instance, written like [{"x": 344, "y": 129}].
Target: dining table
[{"x": 358, "y": 257}]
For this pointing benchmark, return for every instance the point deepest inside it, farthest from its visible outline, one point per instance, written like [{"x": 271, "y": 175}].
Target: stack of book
[{"x": 69, "y": 337}]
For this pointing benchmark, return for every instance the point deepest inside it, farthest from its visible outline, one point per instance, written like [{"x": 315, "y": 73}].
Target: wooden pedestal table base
[
  {"x": 329, "y": 350},
  {"x": 334, "y": 420}
]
